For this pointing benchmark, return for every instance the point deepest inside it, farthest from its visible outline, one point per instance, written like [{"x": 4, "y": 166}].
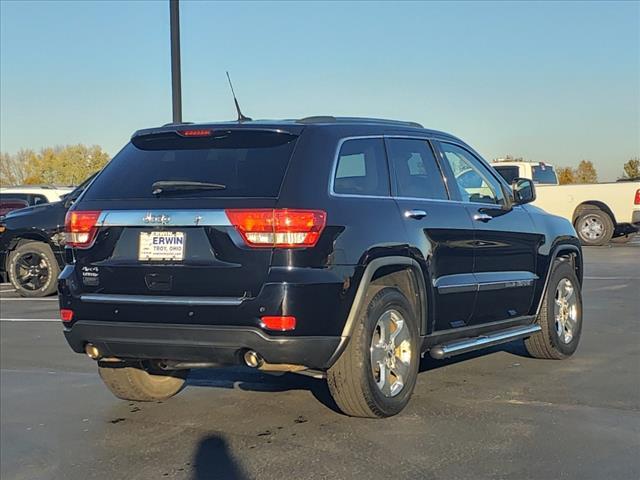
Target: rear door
[
  {"x": 176, "y": 239},
  {"x": 440, "y": 231},
  {"x": 506, "y": 240}
]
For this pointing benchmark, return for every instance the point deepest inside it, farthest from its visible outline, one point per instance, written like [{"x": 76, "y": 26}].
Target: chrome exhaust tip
[
  {"x": 92, "y": 351},
  {"x": 253, "y": 359}
]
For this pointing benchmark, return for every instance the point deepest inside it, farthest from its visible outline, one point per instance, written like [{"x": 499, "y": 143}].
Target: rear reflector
[
  {"x": 194, "y": 133},
  {"x": 66, "y": 315},
  {"x": 80, "y": 228},
  {"x": 281, "y": 324},
  {"x": 281, "y": 228},
  {"x": 636, "y": 201}
]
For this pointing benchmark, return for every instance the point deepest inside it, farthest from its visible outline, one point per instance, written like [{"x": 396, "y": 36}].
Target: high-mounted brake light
[
  {"x": 195, "y": 133},
  {"x": 81, "y": 228},
  {"x": 636, "y": 201},
  {"x": 282, "y": 228}
]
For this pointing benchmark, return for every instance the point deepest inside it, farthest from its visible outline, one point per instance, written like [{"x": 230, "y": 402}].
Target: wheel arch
[
  {"x": 393, "y": 271},
  {"x": 564, "y": 252},
  {"x": 589, "y": 205}
]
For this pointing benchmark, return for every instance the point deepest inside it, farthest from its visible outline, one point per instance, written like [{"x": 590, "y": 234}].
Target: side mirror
[{"x": 524, "y": 191}]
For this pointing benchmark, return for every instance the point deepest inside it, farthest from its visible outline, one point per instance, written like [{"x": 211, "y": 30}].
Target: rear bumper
[
  {"x": 635, "y": 218},
  {"x": 199, "y": 343}
]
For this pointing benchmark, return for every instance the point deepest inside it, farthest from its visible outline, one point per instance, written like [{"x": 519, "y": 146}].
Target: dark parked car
[
  {"x": 32, "y": 245},
  {"x": 343, "y": 248}
]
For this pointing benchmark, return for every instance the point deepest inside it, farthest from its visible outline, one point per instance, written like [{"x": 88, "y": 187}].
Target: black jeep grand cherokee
[{"x": 338, "y": 247}]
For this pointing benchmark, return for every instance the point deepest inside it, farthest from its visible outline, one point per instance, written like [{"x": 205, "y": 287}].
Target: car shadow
[
  {"x": 213, "y": 461},
  {"x": 249, "y": 379}
]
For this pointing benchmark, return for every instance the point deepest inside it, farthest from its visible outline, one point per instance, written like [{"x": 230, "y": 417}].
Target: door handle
[
  {"x": 417, "y": 214},
  {"x": 482, "y": 217}
]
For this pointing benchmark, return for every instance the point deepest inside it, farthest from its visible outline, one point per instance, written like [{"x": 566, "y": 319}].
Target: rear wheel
[
  {"x": 143, "y": 382},
  {"x": 33, "y": 269},
  {"x": 375, "y": 376},
  {"x": 594, "y": 227},
  {"x": 560, "y": 317}
]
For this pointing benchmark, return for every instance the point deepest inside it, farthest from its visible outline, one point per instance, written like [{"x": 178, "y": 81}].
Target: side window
[
  {"x": 362, "y": 168},
  {"x": 38, "y": 199},
  {"x": 474, "y": 183},
  {"x": 417, "y": 173}
]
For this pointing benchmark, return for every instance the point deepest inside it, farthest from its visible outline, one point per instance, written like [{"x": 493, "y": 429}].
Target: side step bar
[{"x": 458, "y": 347}]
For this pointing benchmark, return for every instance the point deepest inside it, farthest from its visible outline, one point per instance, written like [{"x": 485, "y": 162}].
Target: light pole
[{"x": 176, "y": 83}]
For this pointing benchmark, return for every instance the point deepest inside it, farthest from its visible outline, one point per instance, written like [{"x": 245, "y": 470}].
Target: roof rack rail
[{"x": 332, "y": 119}]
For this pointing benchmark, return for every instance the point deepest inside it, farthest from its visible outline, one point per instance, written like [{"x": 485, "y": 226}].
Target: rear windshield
[
  {"x": 509, "y": 173},
  {"x": 544, "y": 174},
  {"x": 245, "y": 163}
]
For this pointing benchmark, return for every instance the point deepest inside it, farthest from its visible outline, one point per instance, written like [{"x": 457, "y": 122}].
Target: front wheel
[
  {"x": 142, "y": 383},
  {"x": 375, "y": 376},
  {"x": 560, "y": 316}
]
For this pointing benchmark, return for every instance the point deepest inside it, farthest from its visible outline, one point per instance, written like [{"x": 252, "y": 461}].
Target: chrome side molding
[{"x": 458, "y": 347}]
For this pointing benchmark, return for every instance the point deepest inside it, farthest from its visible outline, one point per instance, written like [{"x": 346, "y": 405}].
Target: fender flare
[
  {"x": 361, "y": 292},
  {"x": 555, "y": 253}
]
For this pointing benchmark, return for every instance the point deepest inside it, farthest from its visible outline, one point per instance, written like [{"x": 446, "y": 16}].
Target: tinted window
[
  {"x": 38, "y": 199},
  {"x": 15, "y": 196},
  {"x": 247, "y": 163},
  {"x": 416, "y": 171},
  {"x": 543, "y": 174},
  {"x": 509, "y": 173},
  {"x": 362, "y": 168},
  {"x": 474, "y": 183}
]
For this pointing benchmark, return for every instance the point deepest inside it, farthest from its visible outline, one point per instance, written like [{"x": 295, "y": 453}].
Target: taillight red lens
[
  {"x": 283, "y": 228},
  {"x": 80, "y": 228},
  {"x": 636, "y": 201},
  {"x": 279, "y": 323},
  {"x": 66, "y": 315}
]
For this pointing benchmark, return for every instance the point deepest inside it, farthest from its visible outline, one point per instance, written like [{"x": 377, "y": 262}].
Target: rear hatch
[{"x": 159, "y": 210}]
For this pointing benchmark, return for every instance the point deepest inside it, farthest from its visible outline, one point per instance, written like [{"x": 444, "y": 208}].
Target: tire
[
  {"x": 33, "y": 270},
  {"x": 552, "y": 341},
  {"x": 141, "y": 383},
  {"x": 594, "y": 227},
  {"x": 353, "y": 381}
]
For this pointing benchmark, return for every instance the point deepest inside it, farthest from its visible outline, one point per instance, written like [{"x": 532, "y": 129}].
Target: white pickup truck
[{"x": 598, "y": 211}]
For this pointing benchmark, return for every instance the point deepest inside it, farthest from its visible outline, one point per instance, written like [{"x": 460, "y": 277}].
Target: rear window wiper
[{"x": 162, "y": 186}]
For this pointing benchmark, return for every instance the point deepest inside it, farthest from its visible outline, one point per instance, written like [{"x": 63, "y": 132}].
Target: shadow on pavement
[
  {"x": 248, "y": 379},
  {"x": 213, "y": 461}
]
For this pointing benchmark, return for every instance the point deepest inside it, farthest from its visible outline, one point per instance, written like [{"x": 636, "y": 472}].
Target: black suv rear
[{"x": 343, "y": 248}]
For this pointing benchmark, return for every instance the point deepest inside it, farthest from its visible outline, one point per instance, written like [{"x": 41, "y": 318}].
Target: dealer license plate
[{"x": 161, "y": 246}]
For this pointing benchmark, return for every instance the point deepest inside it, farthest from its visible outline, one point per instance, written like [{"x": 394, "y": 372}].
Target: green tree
[
  {"x": 586, "y": 172},
  {"x": 632, "y": 169},
  {"x": 565, "y": 175}
]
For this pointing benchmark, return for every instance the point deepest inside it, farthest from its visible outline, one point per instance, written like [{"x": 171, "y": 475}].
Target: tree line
[{"x": 60, "y": 165}]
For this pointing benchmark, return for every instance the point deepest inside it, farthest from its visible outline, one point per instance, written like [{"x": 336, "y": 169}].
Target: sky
[{"x": 549, "y": 81}]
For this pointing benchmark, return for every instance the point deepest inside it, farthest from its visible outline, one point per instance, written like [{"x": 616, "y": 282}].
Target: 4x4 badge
[{"x": 162, "y": 219}]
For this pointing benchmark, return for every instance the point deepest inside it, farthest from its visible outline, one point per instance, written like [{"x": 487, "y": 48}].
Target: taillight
[
  {"x": 279, "y": 323},
  {"x": 66, "y": 315},
  {"x": 80, "y": 228},
  {"x": 636, "y": 201},
  {"x": 281, "y": 228}
]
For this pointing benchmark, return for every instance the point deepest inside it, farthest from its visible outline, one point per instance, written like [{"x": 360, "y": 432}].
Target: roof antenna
[{"x": 241, "y": 117}]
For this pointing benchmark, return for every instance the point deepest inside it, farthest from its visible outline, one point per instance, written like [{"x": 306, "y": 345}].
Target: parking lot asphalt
[{"x": 498, "y": 415}]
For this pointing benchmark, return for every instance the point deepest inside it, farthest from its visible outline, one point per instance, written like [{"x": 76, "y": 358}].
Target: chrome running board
[{"x": 458, "y": 347}]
